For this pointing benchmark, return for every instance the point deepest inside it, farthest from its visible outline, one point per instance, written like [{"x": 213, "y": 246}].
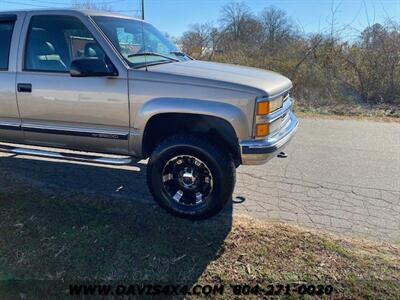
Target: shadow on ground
[{"x": 56, "y": 230}]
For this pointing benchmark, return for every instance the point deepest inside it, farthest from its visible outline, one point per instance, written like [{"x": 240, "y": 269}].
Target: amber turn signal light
[
  {"x": 262, "y": 130},
  {"x": 262, "y": 108}
]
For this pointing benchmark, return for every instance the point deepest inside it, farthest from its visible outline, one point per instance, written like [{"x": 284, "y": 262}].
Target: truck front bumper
[{"x": 258, "y": 152}]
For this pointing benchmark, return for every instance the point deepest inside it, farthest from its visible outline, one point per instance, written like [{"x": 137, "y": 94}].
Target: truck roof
[{"x": 86, "y": 12}]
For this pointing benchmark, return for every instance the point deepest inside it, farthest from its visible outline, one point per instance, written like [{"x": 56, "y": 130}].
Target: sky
[{"x": 175, "y": 16}]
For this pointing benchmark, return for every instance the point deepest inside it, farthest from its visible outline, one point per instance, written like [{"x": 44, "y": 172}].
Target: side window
[
  {"x": 53, "y": 42},
  {"x": 6, "y": 30}
]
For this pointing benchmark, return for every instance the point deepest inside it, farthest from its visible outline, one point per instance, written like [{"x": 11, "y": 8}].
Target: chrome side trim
[
  {"x": 66, "y": 156},
  {"x": 10, "y": 126},
  {"x": 94, "y": 133}
]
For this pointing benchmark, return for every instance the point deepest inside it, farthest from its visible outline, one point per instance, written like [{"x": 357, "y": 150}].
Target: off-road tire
[{"x": 217, "y": 161}]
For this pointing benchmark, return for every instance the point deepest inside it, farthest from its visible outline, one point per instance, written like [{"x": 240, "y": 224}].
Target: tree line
[{"x": 326, "y": 69}]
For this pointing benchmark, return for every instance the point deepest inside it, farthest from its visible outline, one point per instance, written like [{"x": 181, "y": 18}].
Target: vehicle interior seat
[
  {"x": 43, "y": 54},
  {"x": 94, "y": 50}
]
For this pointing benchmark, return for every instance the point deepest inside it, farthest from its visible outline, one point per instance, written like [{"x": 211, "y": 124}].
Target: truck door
[
  {"x": 57, "y": 110},
  {"x": 10, "y": 122}
]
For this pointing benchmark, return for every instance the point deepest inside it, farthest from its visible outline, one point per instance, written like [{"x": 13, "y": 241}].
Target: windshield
[{"x": 140, "y": 43}]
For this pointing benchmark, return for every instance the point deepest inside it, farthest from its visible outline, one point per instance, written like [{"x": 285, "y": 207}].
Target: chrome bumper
[{"x": 258, "y": 152}]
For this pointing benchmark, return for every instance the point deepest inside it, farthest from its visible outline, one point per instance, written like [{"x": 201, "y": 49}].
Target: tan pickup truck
[{"x": 103, "y": 83}]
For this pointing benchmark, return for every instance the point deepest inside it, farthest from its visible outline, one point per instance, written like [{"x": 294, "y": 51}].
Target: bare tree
[
  {"x": 375, "y": 61},
  {"x": 198, "y": 39},
  {"x": 234, "y": 16},
  {"x": 276, "y": 25},
  {"x": 240, "y": 29}
]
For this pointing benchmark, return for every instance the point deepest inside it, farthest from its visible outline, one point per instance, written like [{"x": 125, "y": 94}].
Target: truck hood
[{"x": 268, "y": 82}]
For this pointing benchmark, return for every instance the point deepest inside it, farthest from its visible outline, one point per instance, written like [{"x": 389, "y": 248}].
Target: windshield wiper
[
  {"x": 150, "y": 64},
  {"x": 153, "y": 54},
  {"x": 180, "y": 53}
]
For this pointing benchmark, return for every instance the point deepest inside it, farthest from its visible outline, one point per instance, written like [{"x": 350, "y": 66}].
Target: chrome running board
[{"x": 66, "y": 156}]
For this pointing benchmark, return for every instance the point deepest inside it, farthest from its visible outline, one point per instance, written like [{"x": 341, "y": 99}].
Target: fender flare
[{"x": 228, "y": 112}]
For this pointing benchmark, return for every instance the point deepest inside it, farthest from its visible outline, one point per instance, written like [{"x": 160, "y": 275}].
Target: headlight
[{"x": 266, "y": 107}]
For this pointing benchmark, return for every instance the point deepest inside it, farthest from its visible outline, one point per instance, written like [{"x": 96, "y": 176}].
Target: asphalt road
[{"x": 340, "y": 176}]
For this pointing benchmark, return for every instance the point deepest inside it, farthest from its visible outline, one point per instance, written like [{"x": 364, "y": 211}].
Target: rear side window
[
  {"x": 6, "y": 30},
  {"x": 54, "y": 41}
]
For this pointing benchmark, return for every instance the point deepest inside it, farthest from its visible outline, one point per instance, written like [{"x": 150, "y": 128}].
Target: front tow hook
[{"x": 282, "y": 155}]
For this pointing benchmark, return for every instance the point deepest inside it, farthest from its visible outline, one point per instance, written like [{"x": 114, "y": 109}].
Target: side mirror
[{"x": 92, "y": 67}]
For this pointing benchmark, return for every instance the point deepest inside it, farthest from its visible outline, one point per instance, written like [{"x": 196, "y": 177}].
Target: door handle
[{"x": 24, "y": 88}]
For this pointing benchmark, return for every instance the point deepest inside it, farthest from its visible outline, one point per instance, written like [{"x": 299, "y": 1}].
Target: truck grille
[{"x": 285, "y": 96}]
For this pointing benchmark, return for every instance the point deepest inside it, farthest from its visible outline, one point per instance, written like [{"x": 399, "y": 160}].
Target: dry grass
[
  {"x": 328, "y": 116},
  {"x": 353, "y": 112},
  {"x": 260, "y": 253},
  {"x": 69, "y": 238}
]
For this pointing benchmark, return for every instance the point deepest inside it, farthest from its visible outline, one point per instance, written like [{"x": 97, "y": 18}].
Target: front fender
[{"x": 230, "y": 113}]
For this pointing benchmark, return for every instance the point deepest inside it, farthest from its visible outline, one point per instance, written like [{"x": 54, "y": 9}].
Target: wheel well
[{"x": 161, "y": 126}]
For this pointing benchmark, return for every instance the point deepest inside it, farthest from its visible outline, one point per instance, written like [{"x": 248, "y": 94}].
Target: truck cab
[{"x": 74, "y": 82}]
